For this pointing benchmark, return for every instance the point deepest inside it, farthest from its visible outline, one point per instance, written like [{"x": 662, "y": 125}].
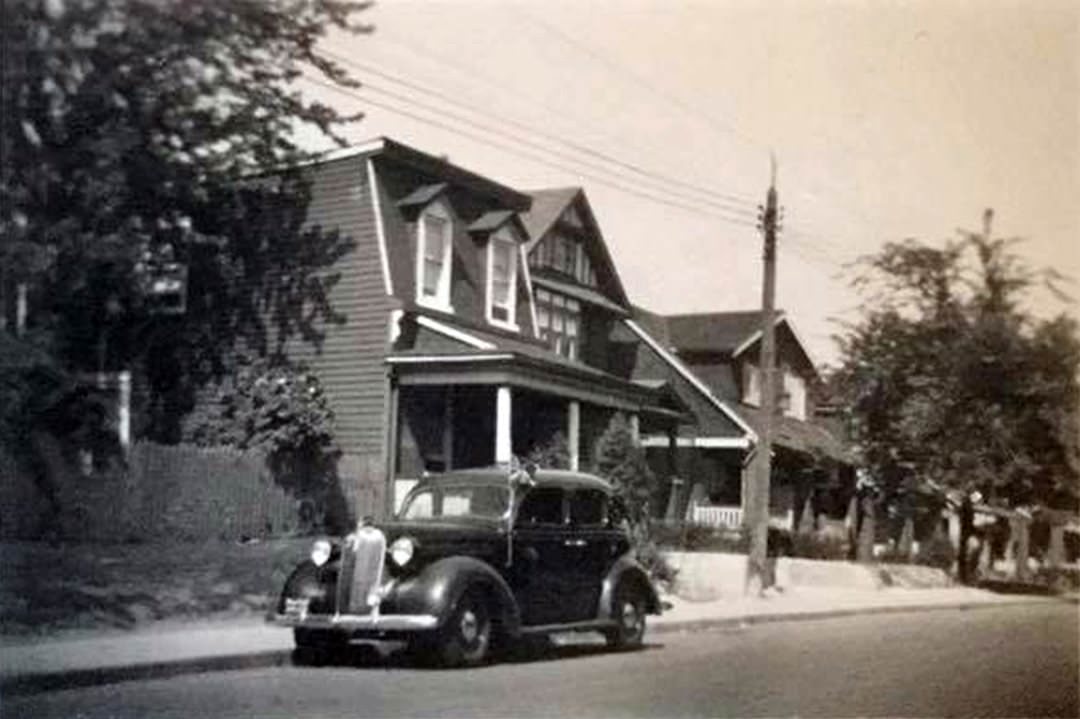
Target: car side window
[
  {"x": 588, "y": 508},
  {"x": 541, "y": 506}
]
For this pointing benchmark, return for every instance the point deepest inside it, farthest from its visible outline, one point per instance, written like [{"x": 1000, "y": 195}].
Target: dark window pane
[
  {"x": 541, "y": 506},
  {"x": 588, "y": 507}
]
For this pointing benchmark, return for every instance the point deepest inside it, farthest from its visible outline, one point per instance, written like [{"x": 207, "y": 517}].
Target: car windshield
[{"x": 477, "y": 500}]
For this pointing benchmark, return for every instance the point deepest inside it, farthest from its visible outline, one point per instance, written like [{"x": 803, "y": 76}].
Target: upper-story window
[
  {"x": 559, "y": 321},
  {"x": 433, "y": 257},
  {"x": 751, "y": 385},
  {"x": 502, "y": 280},
  {"x": 794, "y": 395},
  {"x": 565, "y": 254}
]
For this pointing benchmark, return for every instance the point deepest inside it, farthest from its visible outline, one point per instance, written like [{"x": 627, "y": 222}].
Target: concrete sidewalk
[{"x": 159, "y": 651}]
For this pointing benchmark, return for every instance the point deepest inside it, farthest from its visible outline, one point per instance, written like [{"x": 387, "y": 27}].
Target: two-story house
[
  {"x": 454, "y": 350},
  {"x": 713, "y": 359}
]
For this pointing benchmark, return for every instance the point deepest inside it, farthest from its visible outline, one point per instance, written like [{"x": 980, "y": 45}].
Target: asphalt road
[{"x": 1006, "y": 661}]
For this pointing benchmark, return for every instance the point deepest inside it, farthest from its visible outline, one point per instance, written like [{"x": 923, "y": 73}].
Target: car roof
[{"x": 543, "y": 478}]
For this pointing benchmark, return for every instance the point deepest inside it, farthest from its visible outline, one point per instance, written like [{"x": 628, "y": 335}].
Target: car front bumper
[{"x": 373, "y": 622}]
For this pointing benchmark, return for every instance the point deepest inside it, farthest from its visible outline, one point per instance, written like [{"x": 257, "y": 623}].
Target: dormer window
[
  {"x": 502, "y": 280},
  {"x": 433, "y": 257}
]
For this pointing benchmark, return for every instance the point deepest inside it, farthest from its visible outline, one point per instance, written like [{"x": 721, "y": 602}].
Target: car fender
[
  {"x": 436, "y": 589},
  {"x": 627, "y": 569}
]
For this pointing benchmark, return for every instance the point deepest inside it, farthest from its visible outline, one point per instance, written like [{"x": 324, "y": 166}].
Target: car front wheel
[
  {"x": 629, "y": 616},
  {"x": 465, "y": 641}
]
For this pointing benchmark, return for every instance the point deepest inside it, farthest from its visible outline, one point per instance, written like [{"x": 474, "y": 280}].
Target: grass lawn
[{"x": 49, "y": 588}]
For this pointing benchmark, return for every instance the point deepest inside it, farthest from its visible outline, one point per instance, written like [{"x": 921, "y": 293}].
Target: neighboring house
[
  {"x": 713, "y": 359},
  {"x": 452, "y": 351}
]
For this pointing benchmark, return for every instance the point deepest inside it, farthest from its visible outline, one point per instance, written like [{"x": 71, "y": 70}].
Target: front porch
[
  {"x": 449, "y": 416},
  {"x": 707, "y": 486}
]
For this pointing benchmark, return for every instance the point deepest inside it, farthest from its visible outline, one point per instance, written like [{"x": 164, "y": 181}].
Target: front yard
[{"x": 49, "y": 588}]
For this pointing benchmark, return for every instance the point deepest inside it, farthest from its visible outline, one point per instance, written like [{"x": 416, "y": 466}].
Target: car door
[
  {"x": 540, "y": 575},
  {"x": 594, "y": 545}
]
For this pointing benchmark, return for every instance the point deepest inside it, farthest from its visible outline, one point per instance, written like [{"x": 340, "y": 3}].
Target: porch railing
[{"x": 724, "y": 517}]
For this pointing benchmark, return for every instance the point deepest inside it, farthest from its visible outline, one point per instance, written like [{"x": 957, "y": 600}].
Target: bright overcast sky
[{"x": 888, "y": 120}]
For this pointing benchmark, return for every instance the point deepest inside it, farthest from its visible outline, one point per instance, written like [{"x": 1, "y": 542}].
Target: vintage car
[{"x": 474, "y": 559}]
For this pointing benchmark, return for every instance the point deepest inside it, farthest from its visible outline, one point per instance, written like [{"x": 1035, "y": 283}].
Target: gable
[{"x": 564, "y": 217}]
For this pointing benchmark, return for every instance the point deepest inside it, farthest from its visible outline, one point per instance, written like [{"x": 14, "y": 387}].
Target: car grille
[{"x": 361, "y": 570}]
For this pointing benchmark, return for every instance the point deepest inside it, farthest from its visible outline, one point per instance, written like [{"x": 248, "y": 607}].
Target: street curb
[
  {"x": 53, "y": 681},
  {"x": 778, "y": 617},
  {"x": 37, "y": 683}
]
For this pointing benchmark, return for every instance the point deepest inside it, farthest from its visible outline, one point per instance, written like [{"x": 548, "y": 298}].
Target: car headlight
[
  {"x": 401, "y": 551},
  {"x": 320, "y": 552}
]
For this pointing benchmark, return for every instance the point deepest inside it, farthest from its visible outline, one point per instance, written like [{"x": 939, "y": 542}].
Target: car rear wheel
[
  {"x": 465, "y": 641},
  {"x": 629, "y": 615}
]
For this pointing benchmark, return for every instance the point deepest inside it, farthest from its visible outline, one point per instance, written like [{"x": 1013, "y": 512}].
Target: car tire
[
  {"x": 466, "y": 639},
  {"x": 628, "y": 611}
]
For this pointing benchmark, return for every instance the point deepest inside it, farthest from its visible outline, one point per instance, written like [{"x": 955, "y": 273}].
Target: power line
[
  {"x": 513, "y": 137},
  {"x": 638, "y": 79},
  {"x": 725, "y": 200},
  {"x": 696, "y": 209},
  {"x": 715, "y": 124}
]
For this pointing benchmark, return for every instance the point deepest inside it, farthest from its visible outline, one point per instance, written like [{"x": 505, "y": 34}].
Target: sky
[{"x": 887, "y": 120}]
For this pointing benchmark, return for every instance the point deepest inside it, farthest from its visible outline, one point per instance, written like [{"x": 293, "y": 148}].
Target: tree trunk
[
  {"x": 963, "y": 555},
  {"x": 907, "y": 538},
  {"x": 865, "y": 551}
]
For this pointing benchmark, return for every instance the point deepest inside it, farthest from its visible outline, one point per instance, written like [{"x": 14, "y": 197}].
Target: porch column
[
  {"x": 573, "y": 434},
  {"x": 635, "y": 429},
  {"x": 503, "y": 445}
]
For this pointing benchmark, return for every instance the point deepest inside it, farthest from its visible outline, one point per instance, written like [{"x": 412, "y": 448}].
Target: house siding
[{"x": 350, "y": 360}]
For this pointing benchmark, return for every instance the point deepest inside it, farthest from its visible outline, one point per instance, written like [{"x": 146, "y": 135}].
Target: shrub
[
  {"x": 937, "y": 552},
  {"x": 819, "y": 546},
  {"x": 690, "y": 537},
  {"x": 1059, "y": 579}
]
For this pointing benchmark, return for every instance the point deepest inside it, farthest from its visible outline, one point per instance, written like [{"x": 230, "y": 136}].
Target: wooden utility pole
[{"x": 758, "y": 574}]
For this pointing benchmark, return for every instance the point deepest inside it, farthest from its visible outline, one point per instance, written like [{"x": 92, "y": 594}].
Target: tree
[
  {"x": 141, "y": 138},
  {"x": 280, "y": 409},
  {"x": 948, "y": 378},
  {"x": 621, "y": 461}
]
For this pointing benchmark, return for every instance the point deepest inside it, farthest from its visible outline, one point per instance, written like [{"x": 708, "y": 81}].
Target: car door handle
[{"x": 574, "y": 542}]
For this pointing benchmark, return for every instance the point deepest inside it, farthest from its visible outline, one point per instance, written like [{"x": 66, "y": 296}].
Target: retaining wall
[{"x": 705, "y": 576}]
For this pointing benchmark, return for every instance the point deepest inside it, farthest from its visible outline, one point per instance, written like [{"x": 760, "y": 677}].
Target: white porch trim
[
  {"x": 414, "y": 359},
  {"x": 692, "y": 379},
  {"x": 659, "y": 440},
  {"x": 453, "y": 333}
]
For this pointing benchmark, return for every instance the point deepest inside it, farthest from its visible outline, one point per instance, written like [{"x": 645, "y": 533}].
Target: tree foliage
[
  {"x": 949, "y": 378},
  {"x": 280, "y": 409},
  {"x": 621, "y": 461},
  {"x": 141, "y": 132}
]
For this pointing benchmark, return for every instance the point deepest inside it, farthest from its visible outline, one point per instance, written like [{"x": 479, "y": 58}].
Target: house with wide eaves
[
  {"x": 713, "y": 360},
  {"x": 452, "y": 348}
]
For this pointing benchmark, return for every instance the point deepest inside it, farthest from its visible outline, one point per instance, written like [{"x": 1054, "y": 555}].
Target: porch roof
[
  {"x": 441, "y": 351},
  {"x": 807, "y": 437}
]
